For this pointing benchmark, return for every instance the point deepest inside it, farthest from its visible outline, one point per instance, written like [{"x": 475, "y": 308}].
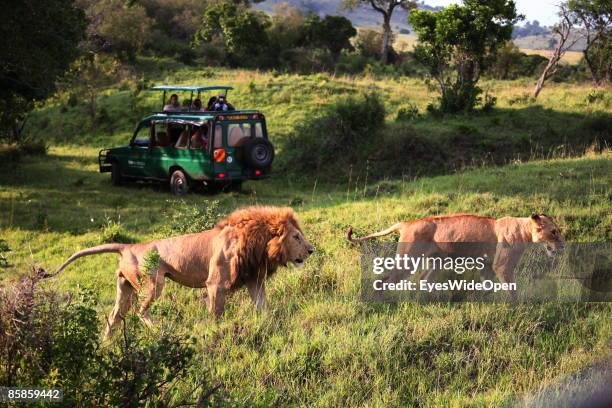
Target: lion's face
[
  {"x": 545, "y": 230},
  {"x": 297, "y": 248}
]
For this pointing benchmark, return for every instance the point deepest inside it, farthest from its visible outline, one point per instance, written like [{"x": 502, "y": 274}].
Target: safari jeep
[{"x": 187, "y": 148}]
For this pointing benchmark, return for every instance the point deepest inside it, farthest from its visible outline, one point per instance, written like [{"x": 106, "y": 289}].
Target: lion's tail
[
  {"x": 390, "y": 230},
  {"x": 100, "y": 249}
]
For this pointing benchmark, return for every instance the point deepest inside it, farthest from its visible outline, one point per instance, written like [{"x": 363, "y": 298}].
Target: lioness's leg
[
  {"x": 504, "y": 264},
  {"x": 257, "y": 290},
  {"x": 152, "y": 290},
  {"x": 125, "y": 298}
]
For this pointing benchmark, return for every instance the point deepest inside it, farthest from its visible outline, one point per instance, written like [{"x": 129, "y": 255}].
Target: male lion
[
  {"x": 504, "y": 238},
  {"x": 244, "y": 248}
]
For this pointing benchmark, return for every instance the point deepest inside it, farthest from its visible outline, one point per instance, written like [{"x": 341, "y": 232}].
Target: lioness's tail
[
  {"x": 390, "y": 230},
  {"x": 100, "y": 249}
]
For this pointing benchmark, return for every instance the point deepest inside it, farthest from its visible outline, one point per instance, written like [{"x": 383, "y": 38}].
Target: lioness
[
  {"x": 244, "y": 248},
  {"x": 507, "y": 236}
]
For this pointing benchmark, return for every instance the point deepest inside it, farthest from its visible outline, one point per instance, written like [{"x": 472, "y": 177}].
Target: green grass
[{"x": 318, "y": 344}]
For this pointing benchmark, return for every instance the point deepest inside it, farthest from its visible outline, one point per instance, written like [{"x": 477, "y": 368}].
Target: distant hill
[{"x": 544, "y": 42}]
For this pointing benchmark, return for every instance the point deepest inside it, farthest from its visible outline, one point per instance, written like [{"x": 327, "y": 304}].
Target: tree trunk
[
  {"x": 539, "y": 85},
  {"x": 547, "y": 73},
  {"x": 591, "y": 66},
  {"x": 384, "y": 57}
]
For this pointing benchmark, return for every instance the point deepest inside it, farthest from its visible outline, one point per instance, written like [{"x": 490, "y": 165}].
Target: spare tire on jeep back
[{"x": 256, "y": 152}]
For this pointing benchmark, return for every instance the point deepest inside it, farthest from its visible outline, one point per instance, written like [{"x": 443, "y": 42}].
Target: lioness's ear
[{"x": 538, "y": 220}]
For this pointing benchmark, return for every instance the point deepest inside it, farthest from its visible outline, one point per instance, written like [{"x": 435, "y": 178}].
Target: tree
[
  {"x": 118, "y": 26},
  {"x": 563, "y": 31},
  {"x": 332, "y": 32},
  {"x": 386, "y": 9},
  {"x": 243, "y": 30},
  {"x": 88, "y": 76},
  {"x": 458, "y": 43},
  {"x": 594, "y": 17},
  {"x": 40, "y": 40}
]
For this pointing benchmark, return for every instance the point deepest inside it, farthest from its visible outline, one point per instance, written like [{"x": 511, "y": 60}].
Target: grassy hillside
[
  {"x": 566, "y": 119},
  {"x": 318, "y": 344}
]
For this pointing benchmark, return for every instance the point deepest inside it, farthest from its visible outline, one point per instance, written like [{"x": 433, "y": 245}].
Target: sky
[{"x": 545, "y": 11}]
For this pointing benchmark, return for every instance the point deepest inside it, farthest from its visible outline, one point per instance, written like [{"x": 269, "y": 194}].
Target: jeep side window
[
  {"x": 237, "y": 132},
  {"x": 160, "y": 137},
  {"x": 218, "y": 136},
  {"x": 183, "y": 139},
  {"x": 258, "y": 130},
  {"x": 143, "y": 136}
]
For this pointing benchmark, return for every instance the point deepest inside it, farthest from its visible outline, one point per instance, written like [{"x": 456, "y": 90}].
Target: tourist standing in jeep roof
[{"x": 173, "y": 104}]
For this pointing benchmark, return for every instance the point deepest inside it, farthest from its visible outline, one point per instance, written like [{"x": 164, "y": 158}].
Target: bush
[
  {"x": 344, "y": 133},
  {"x": 184, "y": 218},
  {"x": 4, "y": 249},
  {"x": 369, "y": 45},
  {"x": 113, "y": 231},
  {"x": 33, "y": 147},
  {"x": 351, "y": 63},
  {"x": 51, "y": 340},
  {"x": 407, "y": 113},
  {"x": 511, "y": 63},
  {"x": 457, "y": 98},
  {"x": 408, "y": 152}
]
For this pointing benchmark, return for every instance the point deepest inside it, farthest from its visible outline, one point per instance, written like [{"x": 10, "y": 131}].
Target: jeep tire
[
  {"x": 258, "y": 153},
  {"x": 116, "y": 177},
  {"x": 179, "y": 184}
]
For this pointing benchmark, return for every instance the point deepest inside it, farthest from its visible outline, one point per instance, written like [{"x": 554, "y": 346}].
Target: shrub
[
  {"x": 489, "y": 103},
  {"x": 342, "y": 134},
  {"x": 523, "y": 99},
  {"x": 51, "y": 340},
  {"x": 113, "y": 231},
  {"x": 33, "y": 147},
  {"x": 407, "y": 113},
  {"x": 600, "y": 124},
  {"x": 408, "y": 152},
  {"x": 511, "y": 63},
  {"x": 594, "y": 96},
  {"x": 184, "y": 218},
  {"x": 4, "y": 249},
  {"x": 369, "y": 44}
]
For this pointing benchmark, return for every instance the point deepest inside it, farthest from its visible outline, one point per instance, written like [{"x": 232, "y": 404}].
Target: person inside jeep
[
  {"x": 173, "y": 104},
  {"x": 199, "y": 139},
  {"x": 197, "y": 106},
  {"x": 211, "y": 103},
  {"x": 222, "y": 104},
  {"x": 183, "y": 139}
]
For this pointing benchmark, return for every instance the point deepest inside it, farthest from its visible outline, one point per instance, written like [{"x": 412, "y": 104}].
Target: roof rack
[
  {"x": 194, "y": 88},
  {"x": 189, "y": 88}
]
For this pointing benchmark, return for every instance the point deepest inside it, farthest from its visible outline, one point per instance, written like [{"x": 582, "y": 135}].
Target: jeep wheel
[
  {"x": 116, "y": 177},
  {"x": 258, "y": 153},
  {"x": 179, "y": 185}
]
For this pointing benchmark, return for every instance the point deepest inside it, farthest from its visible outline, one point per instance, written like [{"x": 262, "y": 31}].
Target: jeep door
[
  {"x": 136, "y": 160},
  {"x": 194, "y": 160}
]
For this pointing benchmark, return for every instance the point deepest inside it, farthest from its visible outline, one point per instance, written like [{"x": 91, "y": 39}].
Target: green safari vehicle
[{"x": 186, "y": 148}]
